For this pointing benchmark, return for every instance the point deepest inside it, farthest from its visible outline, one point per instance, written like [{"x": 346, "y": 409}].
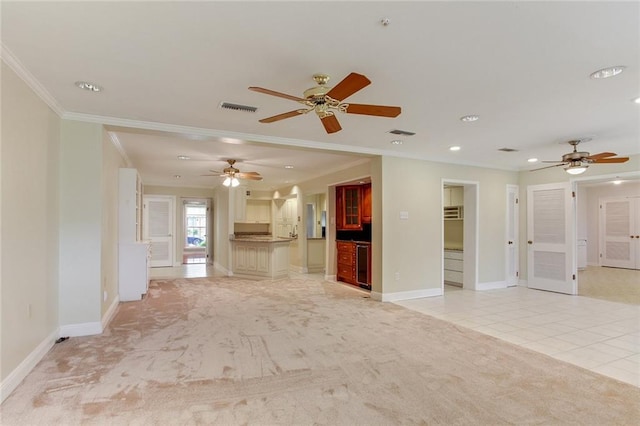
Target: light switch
[{"x": 404, "y": 215}]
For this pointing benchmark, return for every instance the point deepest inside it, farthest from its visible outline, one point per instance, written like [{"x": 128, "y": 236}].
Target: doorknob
[
  {"x": 510, "y": 242},
  {"x": 529, "y": 242}
]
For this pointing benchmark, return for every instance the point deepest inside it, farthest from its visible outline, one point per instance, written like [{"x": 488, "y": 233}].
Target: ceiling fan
[
  {"x": 325, "y": 101},
  {"x": 231, "y": 175},
  {"x": 577, "y": 162}
]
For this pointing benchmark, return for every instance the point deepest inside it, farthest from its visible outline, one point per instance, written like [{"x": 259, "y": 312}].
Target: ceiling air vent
[
  {"x": 401, "y": 132},
  {"x": 237, "y": 107},
  {"x": 508, "y": 150}
]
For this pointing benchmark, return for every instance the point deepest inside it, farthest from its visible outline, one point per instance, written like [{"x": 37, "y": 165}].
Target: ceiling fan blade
[
  {"x": 217, "y": 175},
  {"x": 601, "y": 155},
  {"x": 548, "y": 167},
  {"x": 348, "y": 86},
  {"x": 331, "y": 124},
  {"x": 377, "y": 110},
  {"x": 250, "y": 173},
  {"x": 281, "y": 116},
  {"x": 611, "y": 160},
  {"x": 248, "y": 177},
  {"x": 278, "y": 94}
]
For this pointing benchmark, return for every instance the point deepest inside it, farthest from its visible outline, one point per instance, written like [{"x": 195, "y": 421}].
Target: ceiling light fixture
[
  {"x": 469, "y": 118},
  {"x": 183, "y": 157},
  {"x": 92, "y": 87},
  {"x": 454, "y": 148},
  {"x": 177, "y": 176},
  {"x": 532, "y": 160},
  {"x": 288, "y": 166},
  {"x": 607, "y": 72},
  {"x": 576, "y": 168},
  {"x": 637, "y": 100},
  {"x": 231, "y": 181},
  {"x": 396, "y": 142},
  {"x": 617, "y": 182}
]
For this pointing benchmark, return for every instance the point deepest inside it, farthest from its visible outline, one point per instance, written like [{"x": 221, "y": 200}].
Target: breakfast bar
[{"x": 261, "y": 256}]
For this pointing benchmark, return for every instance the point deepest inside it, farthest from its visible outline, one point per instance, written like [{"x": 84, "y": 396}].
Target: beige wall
[
  {"x": 29, "y": 222},
  {"x": 112, "y": 161}
]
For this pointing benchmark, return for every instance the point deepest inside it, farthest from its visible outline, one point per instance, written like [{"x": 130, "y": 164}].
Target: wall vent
[
  {"x": 401, "y": 132},
  {"x": 508, "y": 150},
  {"x": 237, "y": 107}
]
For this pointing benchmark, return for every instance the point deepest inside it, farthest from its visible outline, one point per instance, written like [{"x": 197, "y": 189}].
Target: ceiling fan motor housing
[{"x": 575, "y": 156}]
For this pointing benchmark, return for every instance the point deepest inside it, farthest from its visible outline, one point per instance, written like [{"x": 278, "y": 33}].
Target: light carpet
[
  {"x": 296, "y": 352},
  {"x": 613, "y": 284}
]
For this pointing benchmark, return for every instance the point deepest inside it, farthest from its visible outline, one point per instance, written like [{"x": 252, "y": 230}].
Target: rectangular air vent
[
  {"x": 508, "y": 150},
  {"x": 237, "y": 107},
  {"x": 401, "y": 132}
]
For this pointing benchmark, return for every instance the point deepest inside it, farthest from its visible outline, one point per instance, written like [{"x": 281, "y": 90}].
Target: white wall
[
  {"x": 29, "y": 146},
  {"x": 80, "y": 227}
]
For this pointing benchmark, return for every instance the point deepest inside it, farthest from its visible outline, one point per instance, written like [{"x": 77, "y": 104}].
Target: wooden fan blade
[
  {"x": 348, "y": 86},
  {"x": 377, "y": 110},
  {"x": 331, "y": 124},
  {"x": 250, "y": 173},
  {"x": 281, "y": 116},
  {"x": 548, "y": 167},
  {"x": 601, "y": 155},
  {"x": 219, "y": 175},
  {"x": 611, "y": 160},
  {"x": 278, "y": 94},
  {"x": 249, "y": 177}
]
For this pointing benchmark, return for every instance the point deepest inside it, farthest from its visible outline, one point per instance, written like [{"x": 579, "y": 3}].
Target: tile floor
[{"x": 595, "y": 334}]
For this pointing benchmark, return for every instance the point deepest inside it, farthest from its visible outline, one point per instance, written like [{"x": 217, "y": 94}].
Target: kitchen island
[{"x": 260, "y": 256}]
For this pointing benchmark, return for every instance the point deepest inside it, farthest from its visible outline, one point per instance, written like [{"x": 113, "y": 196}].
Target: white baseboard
[
  {"x": 106, "y": 319},
  {"x": 331, "y": 277},
  {"x": 14, "y": 378},
  {"x": 491, "y": 285},
  {"x": 82, "y": 329},
  {"x": 406, "y": 295}
]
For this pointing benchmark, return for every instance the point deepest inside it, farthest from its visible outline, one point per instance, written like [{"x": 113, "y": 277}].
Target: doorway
[
  {"x": 196, "y": 232},
  {"x": 459, "y": 235}
]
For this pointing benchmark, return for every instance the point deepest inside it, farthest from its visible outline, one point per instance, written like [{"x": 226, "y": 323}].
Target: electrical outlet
[
  {"x": 104, "y": 295},
  {"x": 28, "y": 310},
  {"x": 397, "y": 276}
]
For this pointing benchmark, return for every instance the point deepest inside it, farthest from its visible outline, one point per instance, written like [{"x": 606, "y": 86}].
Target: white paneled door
[
  {"x": 512, "y": 274},
  {"x": 550, "y": 238},
  {"x": 159, "y": 225},
  {"x": 620, "y": 232}
]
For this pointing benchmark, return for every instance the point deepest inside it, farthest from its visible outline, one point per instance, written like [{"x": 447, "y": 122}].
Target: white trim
[
  {"x": 491, "y": 285},
  {"x": 331, "y": 277},
  {"x": 219, "y": 267},
  {"x": 108, "y": 316},
  {"x": 406, "y": 295},
  {"x": 11, "y": 382},
  {"x": 82, "y": 329},
  {"x": 116, "y": 143},
  {"x": 14, "y": 63}
]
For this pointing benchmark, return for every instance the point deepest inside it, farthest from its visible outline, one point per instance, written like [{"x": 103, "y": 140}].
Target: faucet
[{"x": 294, "y": 233}]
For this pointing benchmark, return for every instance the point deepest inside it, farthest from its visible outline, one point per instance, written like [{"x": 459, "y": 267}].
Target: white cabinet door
[{"x": 550, "y": 227}]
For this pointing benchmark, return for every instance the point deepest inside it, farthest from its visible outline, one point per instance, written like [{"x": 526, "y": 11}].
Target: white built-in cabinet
[
  {"x": 453, "y": 267},
  {"x": 258, "y": 211},
  {"x": 133, "y": 253},
  {"x": 286, "y": 217},
  {"x": 453, "y": 201}
]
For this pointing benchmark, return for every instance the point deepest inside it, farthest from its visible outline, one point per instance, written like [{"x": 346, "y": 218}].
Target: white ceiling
[{"x": 523, "y": 67}]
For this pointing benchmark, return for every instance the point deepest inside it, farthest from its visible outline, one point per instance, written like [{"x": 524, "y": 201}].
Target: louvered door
[
  {"x": 620, "y": 233},
  {"x": 159, "y": 229}
]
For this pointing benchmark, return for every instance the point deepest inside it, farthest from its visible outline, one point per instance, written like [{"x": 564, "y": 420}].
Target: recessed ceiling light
[
  {"x": 532, "y": 160},
  {"x": 454, "y": 148},
  {"x": 637, "y": 100},
  {"x": 177, "y": 176},
  {"x": 92, "y": 87},
  {"x": 617, "y": 182},
  {"x": 288, "y": 166},
  {"x": 469, "y": 118},
  {"x": 396, "y": 142},
  {"x": 183, "y": 157},
  {"x": 608, "y": 72}
]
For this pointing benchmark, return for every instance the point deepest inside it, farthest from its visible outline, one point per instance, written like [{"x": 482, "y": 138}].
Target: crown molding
[
  {"x": 14, "y": 63},
  {"x": 116, "y": 143}
]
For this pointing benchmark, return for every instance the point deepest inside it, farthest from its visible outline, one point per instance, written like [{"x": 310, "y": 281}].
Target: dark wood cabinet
[
  {"x": 366, "y": 203},
  {"x": 349, "y": 208},
  {"x": 354, "y": 263}
]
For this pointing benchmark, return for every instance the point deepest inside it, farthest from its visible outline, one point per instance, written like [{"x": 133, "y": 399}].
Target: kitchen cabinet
[
  {"x": 240, "y": 203},
  {"x": 453, "y": 196},
  {"x": 258, "y": 211},
  {"x": 349, "y": 208},
  {"x": 129, "y": 205},
  {"x": 366, "y": 203},
  {"x": 133, "y": 270},
  {"x": 354, "y": 263},
  {"x": 453, "y": 271}
]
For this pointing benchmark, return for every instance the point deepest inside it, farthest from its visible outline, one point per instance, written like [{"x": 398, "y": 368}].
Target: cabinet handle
[{"x": 510, "y": 242}]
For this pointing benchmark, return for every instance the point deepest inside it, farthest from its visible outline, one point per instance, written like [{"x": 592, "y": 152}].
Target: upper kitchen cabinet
[
  {"x": 349, "y": 208},
  {"x": 258, "y": 211},
  {"x": 366, "y": 203},
  {"x": 453, "y": 196}
]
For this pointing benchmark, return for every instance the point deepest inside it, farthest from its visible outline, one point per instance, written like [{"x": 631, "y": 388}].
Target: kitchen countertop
[{"x": 261, "y": 239}]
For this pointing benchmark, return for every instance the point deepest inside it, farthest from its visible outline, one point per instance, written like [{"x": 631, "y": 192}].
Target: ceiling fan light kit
[
  {"x": 232, "y": 175},
  {"x": 326, "y": 101}
]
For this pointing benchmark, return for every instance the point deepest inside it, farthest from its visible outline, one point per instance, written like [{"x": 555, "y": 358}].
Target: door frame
[
  {"x": 471, "y": 229},
  {"x": 208, "y": 248},
  {"x": 513, "y": 224}
]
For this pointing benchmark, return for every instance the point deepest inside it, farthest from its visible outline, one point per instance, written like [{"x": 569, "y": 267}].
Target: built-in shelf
[{"x": 453, "y": 213}]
